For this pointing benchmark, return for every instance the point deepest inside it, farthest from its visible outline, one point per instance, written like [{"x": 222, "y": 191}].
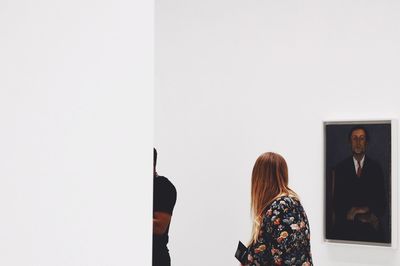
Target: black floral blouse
[{"x": 284, "y": 237}]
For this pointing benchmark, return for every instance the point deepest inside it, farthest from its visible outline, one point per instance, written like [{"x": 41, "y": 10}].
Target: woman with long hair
[{"x": 281, "y": 233}]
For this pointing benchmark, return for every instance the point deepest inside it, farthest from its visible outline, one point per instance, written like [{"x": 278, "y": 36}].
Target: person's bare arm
[{"x": 161, "y": 221}]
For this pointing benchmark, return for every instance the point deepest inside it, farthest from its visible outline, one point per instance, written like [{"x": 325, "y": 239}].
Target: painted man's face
[{"x": 358, "y": 141}]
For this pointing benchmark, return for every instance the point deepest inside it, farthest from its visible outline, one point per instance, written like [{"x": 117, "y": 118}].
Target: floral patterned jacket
[{"x": 284, "y": 237}]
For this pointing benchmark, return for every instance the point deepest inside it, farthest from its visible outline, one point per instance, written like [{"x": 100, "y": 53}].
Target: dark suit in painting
[{"x": 352, "y": 191}]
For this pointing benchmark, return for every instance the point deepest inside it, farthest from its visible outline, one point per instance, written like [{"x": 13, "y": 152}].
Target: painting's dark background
[{"x": 337, "y": 148}]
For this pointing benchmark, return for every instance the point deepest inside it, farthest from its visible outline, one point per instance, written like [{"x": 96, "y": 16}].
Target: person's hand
[
  {"x": 355, "y": 211},
  {"x": 368, "y": 218}
]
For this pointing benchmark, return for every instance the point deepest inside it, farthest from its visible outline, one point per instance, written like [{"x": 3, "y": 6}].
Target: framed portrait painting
[{"x": 359, "y": 194}]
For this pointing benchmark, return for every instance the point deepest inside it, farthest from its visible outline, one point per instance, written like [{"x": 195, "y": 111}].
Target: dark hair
[
  {"x": 357, "y": 128},
  {"x": 154, "y": 156}
]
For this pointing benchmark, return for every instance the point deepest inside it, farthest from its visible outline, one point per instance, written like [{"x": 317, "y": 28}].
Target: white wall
[
  {"x": 76, "y": 106},
  {"x": 237, "y": 78}
]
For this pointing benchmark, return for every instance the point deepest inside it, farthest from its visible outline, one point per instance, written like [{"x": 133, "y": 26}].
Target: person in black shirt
[
  {"x": 164, "y": 198},
  {"x": 359, "y": 197}
]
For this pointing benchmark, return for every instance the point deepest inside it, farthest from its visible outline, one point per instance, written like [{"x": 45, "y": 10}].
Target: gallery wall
[
  {"x": 237, "y": 78},
  {"x": 76, "y": 107}
]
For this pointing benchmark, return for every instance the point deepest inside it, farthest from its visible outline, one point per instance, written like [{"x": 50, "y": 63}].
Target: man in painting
[
  {"x": 164, "y": 198},
  {"x": 359, "y": 195}
]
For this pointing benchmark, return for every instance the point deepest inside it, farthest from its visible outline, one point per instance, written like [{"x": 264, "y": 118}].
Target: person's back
[
  {"x": 281, "y": 233},
  {"x": 284, "y": 237}
]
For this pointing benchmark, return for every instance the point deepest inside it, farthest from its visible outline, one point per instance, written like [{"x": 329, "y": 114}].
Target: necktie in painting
[{"x": 359, "y": 169}]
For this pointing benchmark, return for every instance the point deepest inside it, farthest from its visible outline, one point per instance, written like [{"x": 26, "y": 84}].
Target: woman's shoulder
[
  {"x": 285, "y": 201},
  {"x": 286, "y": 210}
]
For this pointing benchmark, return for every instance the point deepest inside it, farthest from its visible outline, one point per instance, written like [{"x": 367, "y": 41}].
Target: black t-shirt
[{"x": 164, "y": 198}]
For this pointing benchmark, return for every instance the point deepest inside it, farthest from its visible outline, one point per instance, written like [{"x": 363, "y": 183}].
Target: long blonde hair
[{"x": 269, "y": 181}]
